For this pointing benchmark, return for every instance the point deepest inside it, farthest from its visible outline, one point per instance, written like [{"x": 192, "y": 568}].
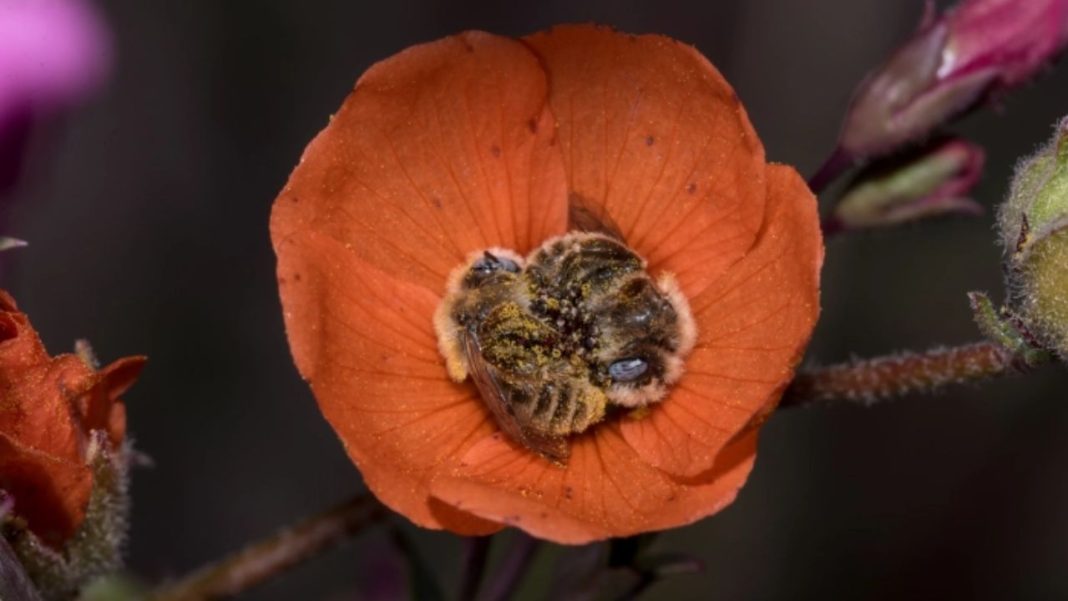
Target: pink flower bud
[
  {"x": 1014, "y": 38},
  {"x": 933, "y": 181},
  {"x": 955, "y": 60}
]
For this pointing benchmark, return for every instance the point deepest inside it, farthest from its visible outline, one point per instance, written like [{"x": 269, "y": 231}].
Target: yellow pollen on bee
[
  {"x": 553, "y": 340},
  {"x": 640, "y": 413}
]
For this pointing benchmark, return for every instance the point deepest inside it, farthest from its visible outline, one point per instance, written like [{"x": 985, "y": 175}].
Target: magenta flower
[
  {"x": 52, "y": 53},
  {"x": 956, "y": 60},
  {"x": 1012, "y": 39}
]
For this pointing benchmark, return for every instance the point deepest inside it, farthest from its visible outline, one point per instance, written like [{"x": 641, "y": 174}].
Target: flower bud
[
  {"x": 1034, "y": 231},
  {"x": 931, "y": 182},
  {"x": 95, "y": 549},
  {"x": 954, "y": 61},
  {"x": 62, "y": 457},
  {"x": 7, "y": 243}
]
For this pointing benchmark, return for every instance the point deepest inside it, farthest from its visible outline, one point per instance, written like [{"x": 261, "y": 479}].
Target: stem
[
  {"x": 871, "y": 380},
  {"x": 274, "y": 555},
  {"x": 474, "y": 566},
  {"x": 514, "y": 568},
  {"x": 830, "y": 170}
]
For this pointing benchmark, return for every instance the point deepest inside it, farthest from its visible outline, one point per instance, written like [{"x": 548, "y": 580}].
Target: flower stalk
[
  {"x": 279, "y": 552},
  {"x": 871, "y": 380}
]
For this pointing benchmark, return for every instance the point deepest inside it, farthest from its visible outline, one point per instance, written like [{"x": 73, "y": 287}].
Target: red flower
[
  {"x": 48, "y": 407},
  {"x": 478, "y": 141}
]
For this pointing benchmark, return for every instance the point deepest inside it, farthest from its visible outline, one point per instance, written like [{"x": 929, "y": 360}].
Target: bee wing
[
  {"x": 583, "y": 217},
  {"x": 498, "y": 398}
]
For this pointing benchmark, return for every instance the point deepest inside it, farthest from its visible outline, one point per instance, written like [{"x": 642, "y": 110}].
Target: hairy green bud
[
  {"x": 96, "y": 548},
  {"x": 1034, "y": 232}
]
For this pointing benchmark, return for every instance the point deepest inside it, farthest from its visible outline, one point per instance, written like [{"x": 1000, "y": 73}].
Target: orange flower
[
  {"x": 479, "y": 141},
  {"x": 48, "y": 407}
]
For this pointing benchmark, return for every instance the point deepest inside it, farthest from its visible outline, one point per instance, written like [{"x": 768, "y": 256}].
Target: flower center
[{"x": 555, "y": 341}]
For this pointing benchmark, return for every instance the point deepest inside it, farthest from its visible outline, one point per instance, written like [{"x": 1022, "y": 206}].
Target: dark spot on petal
[
  {"x": 543, "y": 514},
  {"x": 532, "y": 123},
  {"x": 691, "y": 188},
  {"x": 436, "y": 201},
  {"x": 294, "y": 198},
  {"x": 568, "y": 491},
  {"x": 495, "y": 151},
  {"x": 649, "y": 140},
  {"x": 296, "y": 277},
  {"x": 467, "y": 45}
]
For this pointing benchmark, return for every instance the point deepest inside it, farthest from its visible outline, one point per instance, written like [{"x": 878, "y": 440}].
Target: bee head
[
  {"x": 645, "y": 332},
  {"x": 491, "y": 266},
  {"x": 628, "y": 370},
  {"x": 641, "y": 377}
]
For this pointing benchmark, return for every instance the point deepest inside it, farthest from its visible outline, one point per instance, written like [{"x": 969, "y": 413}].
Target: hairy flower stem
[
  {"x": 270, "y": 557},
  {"x": 870, "y": 380}
]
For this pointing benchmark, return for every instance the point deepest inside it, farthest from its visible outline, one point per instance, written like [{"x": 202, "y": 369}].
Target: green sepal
[
  {"x": 95, "y": 549},
  {"x": 1003, "y": 327}
]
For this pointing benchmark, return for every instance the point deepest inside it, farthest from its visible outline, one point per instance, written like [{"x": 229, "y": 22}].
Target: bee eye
[
  {"x": 627, "y": 370},
  {"x": 490, "y": 263}
]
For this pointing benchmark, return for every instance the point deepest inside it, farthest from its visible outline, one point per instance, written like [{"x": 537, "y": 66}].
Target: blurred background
[{"x": 147, "y": 215}]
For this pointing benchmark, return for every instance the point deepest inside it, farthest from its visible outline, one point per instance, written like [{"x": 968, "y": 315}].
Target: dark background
[{"x": 147, "y": 216}]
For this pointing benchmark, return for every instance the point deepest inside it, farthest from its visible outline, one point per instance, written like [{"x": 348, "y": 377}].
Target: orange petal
[
  {"x": 95, "y": 395},
  {"x": 441, "y": 150},
  {"x": 112, "y": 382},
  {"x": 363, "y": 340},
  {"x": 41, "y": 442},
  {"x": 51, "y": 493},
  {"x": 35, "y": 411},
  {"x": 605, "y": 490},
  {"x": 656, "y": 143},
  {"x": 753, "y": 325}
]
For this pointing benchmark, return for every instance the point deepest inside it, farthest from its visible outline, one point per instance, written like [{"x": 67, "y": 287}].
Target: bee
[{"x": 557, "y": 341}]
